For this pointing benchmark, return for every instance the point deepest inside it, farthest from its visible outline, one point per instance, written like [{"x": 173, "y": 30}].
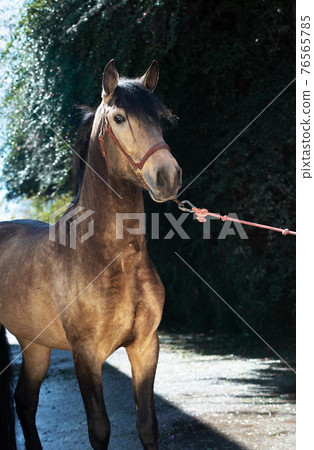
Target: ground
[{"x": 203, "y": 401}]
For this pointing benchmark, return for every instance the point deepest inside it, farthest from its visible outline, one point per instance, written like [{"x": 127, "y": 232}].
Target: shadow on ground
[{"x": 272, "y": 381}]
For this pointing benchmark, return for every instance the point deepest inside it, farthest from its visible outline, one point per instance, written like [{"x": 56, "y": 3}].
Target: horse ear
[
  {"x": 150, "y": 78},
  {"x": 110, "y": 78}
]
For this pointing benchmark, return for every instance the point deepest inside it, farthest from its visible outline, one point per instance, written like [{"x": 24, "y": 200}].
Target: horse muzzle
[{"x": 164, "y": 181}]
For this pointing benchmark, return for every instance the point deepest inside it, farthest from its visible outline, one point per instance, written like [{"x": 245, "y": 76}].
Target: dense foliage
[{"x": 221, "y": 64}]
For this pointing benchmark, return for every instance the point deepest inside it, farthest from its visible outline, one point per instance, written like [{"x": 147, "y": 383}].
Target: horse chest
[{"x": 135, "y": 298}]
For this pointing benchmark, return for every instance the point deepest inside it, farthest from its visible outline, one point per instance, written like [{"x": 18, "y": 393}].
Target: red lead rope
[{"x": 201, "y": 215}]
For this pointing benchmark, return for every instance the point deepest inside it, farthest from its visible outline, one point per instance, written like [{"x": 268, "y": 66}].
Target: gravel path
[{"x": 202, "y": 401}]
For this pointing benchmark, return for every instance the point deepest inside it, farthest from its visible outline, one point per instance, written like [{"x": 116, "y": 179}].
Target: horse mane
[{"x": 82, "y": 143}]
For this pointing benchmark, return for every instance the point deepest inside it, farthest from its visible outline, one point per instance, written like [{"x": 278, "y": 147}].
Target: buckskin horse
[{"x": 106, "y": 293}]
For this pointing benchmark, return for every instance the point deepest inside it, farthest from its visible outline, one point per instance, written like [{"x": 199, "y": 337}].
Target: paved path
[{"x": 202, "y": 402}]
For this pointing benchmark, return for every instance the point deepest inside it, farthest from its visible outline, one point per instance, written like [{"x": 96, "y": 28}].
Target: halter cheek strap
[
  {"x": 136, "y": 166},
  {"x": 102, "y": 146}
]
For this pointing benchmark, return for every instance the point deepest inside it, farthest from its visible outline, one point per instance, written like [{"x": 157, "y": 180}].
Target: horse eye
[{"x": 119, "y": 119}]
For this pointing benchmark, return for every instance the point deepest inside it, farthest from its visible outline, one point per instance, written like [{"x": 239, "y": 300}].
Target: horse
[{"x": 103, "y": 293}]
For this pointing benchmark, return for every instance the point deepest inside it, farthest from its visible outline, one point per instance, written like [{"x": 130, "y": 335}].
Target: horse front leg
[
  {"x": 88, "y": 372},
  {"x": 143, "y": 357}
]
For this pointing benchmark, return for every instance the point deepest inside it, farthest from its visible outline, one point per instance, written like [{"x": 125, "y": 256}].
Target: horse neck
[{"x": 107, "y": 194}]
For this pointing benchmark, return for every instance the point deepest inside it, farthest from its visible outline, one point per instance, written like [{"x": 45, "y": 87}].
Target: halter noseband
[{"x": 136, "y": 166}]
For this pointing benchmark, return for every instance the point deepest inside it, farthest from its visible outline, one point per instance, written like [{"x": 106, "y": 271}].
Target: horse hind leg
[{"x": 35, "y": 364}]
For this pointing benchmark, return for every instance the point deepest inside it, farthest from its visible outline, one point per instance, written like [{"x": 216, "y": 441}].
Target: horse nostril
[{"x": 160, "y": 179}]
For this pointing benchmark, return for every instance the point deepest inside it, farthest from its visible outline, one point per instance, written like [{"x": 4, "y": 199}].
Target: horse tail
[{"x": 7, "y": 418}]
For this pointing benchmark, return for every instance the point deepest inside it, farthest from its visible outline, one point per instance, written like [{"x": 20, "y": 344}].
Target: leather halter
[{"x": 137, "y": 167}]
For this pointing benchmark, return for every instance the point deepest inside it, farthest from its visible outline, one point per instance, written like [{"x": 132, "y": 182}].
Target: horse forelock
[{"x": 139, "y": 102}]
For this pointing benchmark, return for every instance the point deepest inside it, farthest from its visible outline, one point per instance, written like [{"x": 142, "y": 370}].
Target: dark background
[{"x": 221, "y": 63}]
